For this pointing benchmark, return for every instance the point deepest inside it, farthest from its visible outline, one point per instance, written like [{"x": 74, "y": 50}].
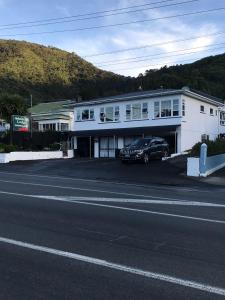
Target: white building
[
  {"x": 4, "y": 126},
  {"x": 184, "y": 117},
  {"x": 53, "y": 116}
]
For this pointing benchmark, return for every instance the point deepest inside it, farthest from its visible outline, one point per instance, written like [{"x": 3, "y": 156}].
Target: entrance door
[{"x": 85, "y": 147}]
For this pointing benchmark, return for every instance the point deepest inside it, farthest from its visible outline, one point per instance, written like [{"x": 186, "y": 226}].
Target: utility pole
[{"x": 31, "y": 123}]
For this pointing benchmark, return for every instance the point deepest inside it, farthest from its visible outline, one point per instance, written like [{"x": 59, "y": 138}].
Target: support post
[{"x": 203, "y": 158}]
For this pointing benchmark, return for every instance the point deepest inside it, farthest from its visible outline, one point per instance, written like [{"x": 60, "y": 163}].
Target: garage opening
[{"x": 85, "y": 147}]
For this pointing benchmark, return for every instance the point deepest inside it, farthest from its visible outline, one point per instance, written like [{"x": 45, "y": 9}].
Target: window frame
[
  {"x": 143, "y": 108},
  {"x": 158, "y": 106},
  {"x": 116, "y": 114},
  {"x": 202, "y": 109},
  {"x": 91, "y": 114}
]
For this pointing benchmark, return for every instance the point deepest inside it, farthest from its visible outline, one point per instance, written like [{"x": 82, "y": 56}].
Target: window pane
[
  {"x": 102, "y": 114},
  {"x": 78, "y": 115},
  {"x": 136, "y": 111},
  {"x": 85, "y": 114},
  {"x": 166, "y": 108},
  {"x": 176, "y": 108},
  {"x": 64, "y": 126},
  {"x": 109, "y": 114},
  {"x": 183, "y": 108},
  {"x": 202, "y": 108},
  {"x": 144, "y": 110},
  {"x": 128, "y": 112},
  {"x": 117, "y": 113},
  {"x": 156, "y": 110},
  {"x": 92, "y": 114}
]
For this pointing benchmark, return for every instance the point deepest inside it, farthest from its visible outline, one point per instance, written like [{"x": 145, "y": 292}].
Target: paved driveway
[{"x": 157, "y": 172}]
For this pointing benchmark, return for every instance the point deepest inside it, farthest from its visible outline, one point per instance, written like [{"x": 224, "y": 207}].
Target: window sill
[
  {"x": 202, "y": 112},
  {"x": 165, "y": 118},
  {"x": 137, "y": 120},
  {"x": 80, "y": 121},
  {"x": 109, "y": 122}
]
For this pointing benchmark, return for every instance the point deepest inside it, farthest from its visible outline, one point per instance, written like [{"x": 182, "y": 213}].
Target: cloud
[
  {"x": 63, "y": 10},
  {"x": 141, "y": 34}
]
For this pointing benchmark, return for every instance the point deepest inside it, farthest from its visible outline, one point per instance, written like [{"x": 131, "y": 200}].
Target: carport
[{"x": 107, "y": 143}]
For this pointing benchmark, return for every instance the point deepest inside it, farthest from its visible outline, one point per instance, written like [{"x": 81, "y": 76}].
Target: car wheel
[
  {"x": 146, "y": 158},
  {"x": 165, "y": 153}
]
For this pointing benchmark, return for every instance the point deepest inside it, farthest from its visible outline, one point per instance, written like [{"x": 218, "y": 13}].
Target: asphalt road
[{"x": 76, "y": 238}]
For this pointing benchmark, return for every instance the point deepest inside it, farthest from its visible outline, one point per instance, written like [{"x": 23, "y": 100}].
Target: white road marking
[
  {"x": 151, "y": 212},
  {"x": 136, "y": 201},
  {"x": 118, "y": 267},
  {"x": 86, "y": 189},
  {"x": 116, "y": 207},
  {"x": 177, "y": 188}
]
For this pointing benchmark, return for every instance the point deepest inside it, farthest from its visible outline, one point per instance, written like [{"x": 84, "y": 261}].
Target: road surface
[{"x": 70, "y": 238}]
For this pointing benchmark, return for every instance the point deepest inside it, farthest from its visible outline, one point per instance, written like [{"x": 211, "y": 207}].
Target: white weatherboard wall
[
  {"x": 195, "y": 123},
  {"x": 22, "y": 156}
]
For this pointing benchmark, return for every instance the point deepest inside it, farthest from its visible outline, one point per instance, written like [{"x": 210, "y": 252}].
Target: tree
[{"x": 11, "y": 105}]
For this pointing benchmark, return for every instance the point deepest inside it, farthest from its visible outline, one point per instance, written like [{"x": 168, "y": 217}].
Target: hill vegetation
[{"x": 49, "y": 73}]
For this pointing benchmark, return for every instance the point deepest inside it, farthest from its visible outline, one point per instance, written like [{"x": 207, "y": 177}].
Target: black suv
[{"x": 145, "y": 149}]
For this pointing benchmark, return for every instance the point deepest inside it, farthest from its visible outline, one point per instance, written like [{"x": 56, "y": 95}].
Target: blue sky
[{"x": 104, "y": 40}]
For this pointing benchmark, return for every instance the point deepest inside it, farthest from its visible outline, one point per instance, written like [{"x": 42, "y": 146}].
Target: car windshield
[{"x": 140, "y": 143}]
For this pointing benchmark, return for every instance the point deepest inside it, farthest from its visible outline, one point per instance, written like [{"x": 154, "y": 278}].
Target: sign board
[{"x": 20, "y": 123}]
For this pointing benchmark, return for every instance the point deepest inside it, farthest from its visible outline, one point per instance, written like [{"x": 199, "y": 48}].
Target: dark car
[{"x": 144, "y": 149}]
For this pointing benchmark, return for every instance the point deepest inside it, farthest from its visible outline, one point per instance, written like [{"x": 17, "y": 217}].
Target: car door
[{"x": 153, "y": 149}]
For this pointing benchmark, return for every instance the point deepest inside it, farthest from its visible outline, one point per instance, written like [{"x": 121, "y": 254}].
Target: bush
[
  {"x": 7, "y": 148},
  {"x": 54, "y": 147},
  {"x": 214, "y": 148}
]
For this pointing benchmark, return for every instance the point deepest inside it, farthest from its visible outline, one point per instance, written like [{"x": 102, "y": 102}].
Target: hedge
[{"x": 214, "y": 148}]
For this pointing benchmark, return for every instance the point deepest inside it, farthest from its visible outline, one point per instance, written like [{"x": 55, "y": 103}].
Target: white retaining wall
[{"x": 21, "y": 156}]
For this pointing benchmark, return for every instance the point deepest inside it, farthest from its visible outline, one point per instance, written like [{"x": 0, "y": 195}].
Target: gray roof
[
  {"x": 50, "y": 107},
  {"x": 152, "y": 93}
]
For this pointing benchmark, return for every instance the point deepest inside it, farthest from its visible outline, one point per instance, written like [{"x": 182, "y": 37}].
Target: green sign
[{"x": 20, "y": 123}]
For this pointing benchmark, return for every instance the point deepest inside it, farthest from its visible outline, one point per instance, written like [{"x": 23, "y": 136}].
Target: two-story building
[{"x": 184, "y": 117}]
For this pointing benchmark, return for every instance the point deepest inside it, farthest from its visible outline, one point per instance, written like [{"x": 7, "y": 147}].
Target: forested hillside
[
  {"x": 49, "y": 73},
  {"x": 207, "y": 75}
]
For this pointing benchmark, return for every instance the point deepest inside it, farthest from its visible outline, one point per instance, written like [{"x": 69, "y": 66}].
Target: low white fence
[
  {"x": 205, "y": 165},
  {"x": 22, "y": 156}
]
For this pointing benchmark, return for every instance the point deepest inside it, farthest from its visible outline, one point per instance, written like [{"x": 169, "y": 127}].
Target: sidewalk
[{"x": 217, "y": 178}]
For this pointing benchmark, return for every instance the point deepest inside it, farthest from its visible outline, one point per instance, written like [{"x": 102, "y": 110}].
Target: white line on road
[
  {"x": 136, "y": 201},
  {"x": 118, "y": 267},
  {"x": 86, "y": 189},
  {"x": 162, "y": 187},
  {"x": 116, "y": 207}
]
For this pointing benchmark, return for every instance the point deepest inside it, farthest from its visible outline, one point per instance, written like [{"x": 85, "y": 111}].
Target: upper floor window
[
  {"x": 222, "y": 118},
  {"x": 211, "y": 112},
  {"x": 110, "y": 114},
  {"x": 136, "y": 111},
  {"x": 166, "y": 108},
  {"x": 85, "y": 114},
  {"x": 202, "y": 108}
]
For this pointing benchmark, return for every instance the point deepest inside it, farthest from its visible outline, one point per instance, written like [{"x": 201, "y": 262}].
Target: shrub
[
  {"x": 7, "y": 148},
  {"x": 214, "y": 148},
  {"x": 54, "y": 147}
]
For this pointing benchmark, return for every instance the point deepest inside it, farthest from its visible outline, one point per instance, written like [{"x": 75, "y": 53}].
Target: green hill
[
  {"x": 206, "y": 75},
  {"x": 49, "y": 73}
]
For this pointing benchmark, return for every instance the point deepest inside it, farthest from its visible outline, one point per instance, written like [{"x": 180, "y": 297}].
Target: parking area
[{"x": 171, "y": 172}]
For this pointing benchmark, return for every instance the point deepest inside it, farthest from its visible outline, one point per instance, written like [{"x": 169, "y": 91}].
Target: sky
[{"x": 160, "y": 35}]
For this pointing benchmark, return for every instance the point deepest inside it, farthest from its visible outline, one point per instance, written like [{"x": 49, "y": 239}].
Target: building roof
[
  {"x": 152, "y": 93},
  {"x": 50, "y": 107}
]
